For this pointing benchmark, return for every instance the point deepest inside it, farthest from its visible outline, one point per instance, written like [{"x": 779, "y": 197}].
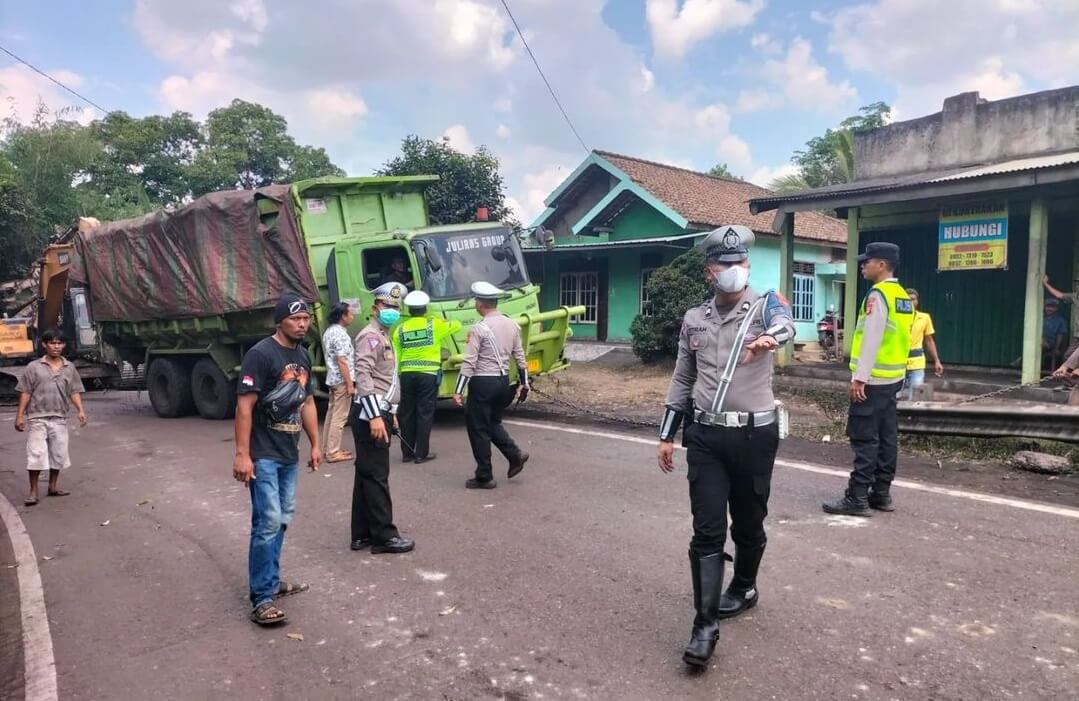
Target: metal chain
[
  {"x": 592, "y": 412},
  {"x": 1005, "y": 390}
]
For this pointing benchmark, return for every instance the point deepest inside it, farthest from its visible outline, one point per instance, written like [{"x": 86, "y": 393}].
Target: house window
[
  {"x": 804, "y": 287},
  {"x": 646, "y": 303},
  {"x": 580, "y": 289}
]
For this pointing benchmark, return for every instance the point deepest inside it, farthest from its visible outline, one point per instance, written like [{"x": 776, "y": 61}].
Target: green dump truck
[{"x": 185, "y": 293}]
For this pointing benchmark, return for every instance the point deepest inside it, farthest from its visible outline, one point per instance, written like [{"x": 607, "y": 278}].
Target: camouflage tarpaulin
[{"x": 210, "y": 257}]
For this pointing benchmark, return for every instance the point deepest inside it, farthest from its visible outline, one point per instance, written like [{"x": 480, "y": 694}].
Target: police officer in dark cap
[
  {"x": 878, "y": 364},
  {"x": 721, "y": 392}
]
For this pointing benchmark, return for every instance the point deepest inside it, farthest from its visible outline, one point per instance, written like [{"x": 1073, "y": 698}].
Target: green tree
[
  {"x": 829, "y": 159},
  {"x": 720, "y": 170},
  {"x": 15, "y": 225},
  {"x": 794, "y": 182},
  {"x": 466, "y": 182},
  {"x": 146, "y": 162},
  {"x": 47, "y": 166},
  {"x": 672, "y": 289},
  {"x": 248, "y": 146}
]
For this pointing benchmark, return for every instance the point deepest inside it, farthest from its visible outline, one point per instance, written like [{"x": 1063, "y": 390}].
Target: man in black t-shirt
[{"x": 275, "y": 402}]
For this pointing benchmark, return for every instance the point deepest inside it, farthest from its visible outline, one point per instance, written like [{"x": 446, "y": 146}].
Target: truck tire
[
  {"x": 169, "y": 386},
  {"x": 213, "y": 392}
]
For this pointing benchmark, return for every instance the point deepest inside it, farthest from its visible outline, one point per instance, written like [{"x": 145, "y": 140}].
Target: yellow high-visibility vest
[
  {"x": 417, "y": 343},
  {"x": 891, "y": 360}
]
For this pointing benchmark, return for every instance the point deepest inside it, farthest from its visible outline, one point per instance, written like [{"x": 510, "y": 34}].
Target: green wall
[{"x": 978, "y": 314}]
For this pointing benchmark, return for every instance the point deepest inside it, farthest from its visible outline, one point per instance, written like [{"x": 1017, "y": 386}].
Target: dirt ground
[{"x": 619, "y": 390}]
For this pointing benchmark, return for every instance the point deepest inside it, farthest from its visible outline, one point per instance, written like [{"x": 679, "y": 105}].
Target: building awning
[
  {"x": 1015, "y": 173},
  {"x": 592, "y": 246}
]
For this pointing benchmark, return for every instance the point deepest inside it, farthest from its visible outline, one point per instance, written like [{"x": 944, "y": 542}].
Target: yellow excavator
[{"x": 26, "y": 316}]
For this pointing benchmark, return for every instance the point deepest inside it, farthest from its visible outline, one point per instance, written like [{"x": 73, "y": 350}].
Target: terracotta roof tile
[{"x": 709, "y": 201}]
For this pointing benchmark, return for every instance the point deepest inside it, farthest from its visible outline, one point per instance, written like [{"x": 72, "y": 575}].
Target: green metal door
[{"x": 978, "y": 314}]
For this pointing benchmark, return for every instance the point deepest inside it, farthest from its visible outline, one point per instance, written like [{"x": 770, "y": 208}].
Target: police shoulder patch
[{"x": 374, "y": 342}]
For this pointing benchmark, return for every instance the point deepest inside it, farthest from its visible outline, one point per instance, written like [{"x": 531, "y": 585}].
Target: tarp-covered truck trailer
[{"x": 186, "y": 292}]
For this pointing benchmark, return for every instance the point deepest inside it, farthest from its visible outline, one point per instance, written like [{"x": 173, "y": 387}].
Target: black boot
[
  {"x": 852, "y": 504},
  {"x": 742, "y": 594},
  {"x": 707, "y": 585},
  {"x": 880, "y": 499}
]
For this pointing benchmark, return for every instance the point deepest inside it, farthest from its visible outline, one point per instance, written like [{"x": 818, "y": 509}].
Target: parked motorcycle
[{"x": 829, "y": 334}]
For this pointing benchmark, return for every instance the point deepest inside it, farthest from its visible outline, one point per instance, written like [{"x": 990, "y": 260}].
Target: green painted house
[{"x": 616, "y": 219}]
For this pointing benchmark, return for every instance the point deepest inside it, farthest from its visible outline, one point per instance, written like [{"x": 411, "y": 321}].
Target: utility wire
[
  {"x": 545, "y": 81},
  {"x": 43, "y": 73}
]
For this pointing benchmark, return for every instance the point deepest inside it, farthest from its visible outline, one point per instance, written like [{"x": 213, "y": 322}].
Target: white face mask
[{"x": 733, "y": 279}]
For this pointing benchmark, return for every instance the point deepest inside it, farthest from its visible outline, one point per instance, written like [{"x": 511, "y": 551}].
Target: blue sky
[{"x": 689, "y": 82}]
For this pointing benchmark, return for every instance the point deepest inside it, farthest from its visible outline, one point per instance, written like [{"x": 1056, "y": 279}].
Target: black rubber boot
[
  {"x": 849, "y": 505},
  {"x": 742, "y": 594},
  {"x": 707, "y": 585},
  {"x": 880, "y": 499}
]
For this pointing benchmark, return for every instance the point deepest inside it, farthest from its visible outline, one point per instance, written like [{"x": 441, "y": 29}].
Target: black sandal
[
  {"x": 268, "y": 615},
  {"x": 288, "y": 589}
]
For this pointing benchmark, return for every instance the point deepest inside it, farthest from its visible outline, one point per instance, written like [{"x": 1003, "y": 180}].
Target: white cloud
[
  {"x": 1001, "y": 47},
  {"x": 675, "y": 29},
  {"x": 796, "y": 80},
  {"x": 459, "y": 139},
  {"x": 648, "y": 79},
  {"x": 199, "y": 34},
  {"x": 440, "y": 55},
  {"x": 804, "y": 82},
  {"x": 765, "y": 43},
  {"x": 253, "y": 12},
  {"x": 537, "y": 186},
  {"x": 22, "y": 90},
  {"x": 756, "y": 100},
  {"x": 335, "y": 108},
  {"x": 765, "y": 174},
  {"x": 207, "y": 90}
]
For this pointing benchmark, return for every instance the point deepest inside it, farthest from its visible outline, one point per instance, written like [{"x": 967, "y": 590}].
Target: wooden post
[
  {"x": 786, "y": 276},
  {"x": 850, "y": 301},
  {"x": 1033, "y": 314}
]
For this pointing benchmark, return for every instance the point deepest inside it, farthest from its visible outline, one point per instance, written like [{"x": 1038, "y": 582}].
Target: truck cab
[{"x": 364, "y": 232}]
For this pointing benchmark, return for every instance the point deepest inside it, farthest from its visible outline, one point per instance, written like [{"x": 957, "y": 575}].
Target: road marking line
[
  {"x": 39, "y": 666},
  {"x": 822, "y": 470}
]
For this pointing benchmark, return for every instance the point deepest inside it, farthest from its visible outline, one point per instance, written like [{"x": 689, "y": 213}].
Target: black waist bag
[{"x": 280, "y": 404}]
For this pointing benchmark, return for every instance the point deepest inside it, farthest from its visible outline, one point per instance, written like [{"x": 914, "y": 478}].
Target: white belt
[{"x": 734, "y": 419}]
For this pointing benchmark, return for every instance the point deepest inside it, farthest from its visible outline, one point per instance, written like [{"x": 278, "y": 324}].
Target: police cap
[
  {"x": 486, "y": 291},
  {"x": 390, "y": 293},
  {"x": 881, "y": 250},
  {"x": 728, "y": 244}
]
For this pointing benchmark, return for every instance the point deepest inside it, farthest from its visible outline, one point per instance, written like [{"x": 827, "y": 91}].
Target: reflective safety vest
[
  {"x": 417, "y": 342},
  {"x": 891, "y": 360}
]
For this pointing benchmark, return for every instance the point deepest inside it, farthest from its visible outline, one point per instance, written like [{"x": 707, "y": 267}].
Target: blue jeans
[
  {"x": 912, "y": 383},
  {"x": 273, "y": 502}
]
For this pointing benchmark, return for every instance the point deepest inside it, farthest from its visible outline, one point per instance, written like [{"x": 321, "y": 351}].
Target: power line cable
[
  {"x": 46, "y": 75},
  {"x": 545, "y": 81}
]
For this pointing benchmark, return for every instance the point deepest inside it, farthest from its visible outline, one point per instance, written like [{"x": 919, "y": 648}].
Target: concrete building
[
  {"x": 983, "y": 199},
  {"x": 618, "y": 218}
]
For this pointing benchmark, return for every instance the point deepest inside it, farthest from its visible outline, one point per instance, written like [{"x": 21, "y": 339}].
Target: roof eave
[{"x": 916, "y": 191}]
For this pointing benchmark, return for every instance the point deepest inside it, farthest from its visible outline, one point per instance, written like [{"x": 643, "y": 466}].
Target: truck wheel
[
  {"x": 214, "y": 393},
  {"x": 169, "y": 387}
]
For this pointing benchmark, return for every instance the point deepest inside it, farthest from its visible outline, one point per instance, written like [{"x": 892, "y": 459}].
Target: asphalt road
[{"x": 571, "y": 582}]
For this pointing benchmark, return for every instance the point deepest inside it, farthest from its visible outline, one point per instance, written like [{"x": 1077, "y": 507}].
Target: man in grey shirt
[
  {"x": 485, "y": 373},
  {"x": 722, "y": 391},
  {"x": 47, "y": 389}
]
